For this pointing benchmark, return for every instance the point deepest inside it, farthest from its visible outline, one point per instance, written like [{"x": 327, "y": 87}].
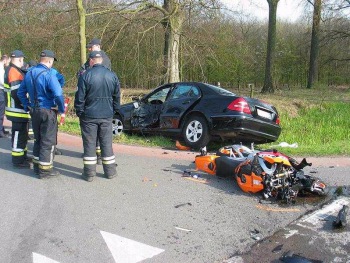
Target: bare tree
[
  {"x": 82, "y": 36},
  {"x": 315, "y": 43},
  {"x": 271, "y": 46}
]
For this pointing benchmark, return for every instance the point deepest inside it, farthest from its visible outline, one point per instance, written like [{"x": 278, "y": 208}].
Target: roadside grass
[
  {"x": 316, "y": 119},
  {"x": 319, "y": 130}
]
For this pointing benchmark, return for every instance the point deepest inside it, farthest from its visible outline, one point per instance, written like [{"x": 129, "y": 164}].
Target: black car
[{"x": 197, "y": 113}]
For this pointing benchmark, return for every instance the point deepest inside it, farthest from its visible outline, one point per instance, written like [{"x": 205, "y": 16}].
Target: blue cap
[
  {"x": 17, "y": 54},
  {"x": 48, "y": 54}
]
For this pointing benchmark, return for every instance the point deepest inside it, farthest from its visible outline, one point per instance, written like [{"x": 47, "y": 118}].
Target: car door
[
  {"x": 146, "y": 112},
  {"x": 180, "y": 99}
]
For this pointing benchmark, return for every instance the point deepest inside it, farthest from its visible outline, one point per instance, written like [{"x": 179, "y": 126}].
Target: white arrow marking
[
  {"x": 128, "y": 251},
  {"x": 37, "y": 258}
]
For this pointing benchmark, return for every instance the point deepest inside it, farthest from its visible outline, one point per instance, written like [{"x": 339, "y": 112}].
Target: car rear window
[{"x": 221, "y": 91}]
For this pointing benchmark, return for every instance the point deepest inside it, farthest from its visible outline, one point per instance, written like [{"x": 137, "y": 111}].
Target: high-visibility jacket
[{"x": 14, "y": 110}]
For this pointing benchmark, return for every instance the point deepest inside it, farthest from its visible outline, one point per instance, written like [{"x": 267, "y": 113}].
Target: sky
[{"x": 289, "y": 10}]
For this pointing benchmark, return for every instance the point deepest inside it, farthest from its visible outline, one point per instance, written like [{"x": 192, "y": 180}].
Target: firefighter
[
  {"x": 15, "y": 112},
  {"x": 62, "y": 81},
  {"x": 96, "y": 100},
  {"x": 95, "y": 45},
  {"x": 45, "y": 101}
]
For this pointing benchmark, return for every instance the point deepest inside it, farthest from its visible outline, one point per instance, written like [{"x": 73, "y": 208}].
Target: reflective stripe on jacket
[{"x": 14, "y": 110}]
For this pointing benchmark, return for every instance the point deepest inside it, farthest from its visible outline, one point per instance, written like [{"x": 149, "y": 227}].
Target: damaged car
[{"x": 197, "y": 113}]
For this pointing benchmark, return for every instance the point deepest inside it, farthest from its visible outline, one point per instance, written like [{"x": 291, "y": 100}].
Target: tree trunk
[
  {"x": 173, "y": 26},
  {"x": 82, "y": 36},
  {"x": 271, "y": 46},
  {"x": 315, "y": 42}
]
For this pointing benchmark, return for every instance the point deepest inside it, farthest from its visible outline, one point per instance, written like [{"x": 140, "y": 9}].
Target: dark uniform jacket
[{"x": 98, "y": 94}]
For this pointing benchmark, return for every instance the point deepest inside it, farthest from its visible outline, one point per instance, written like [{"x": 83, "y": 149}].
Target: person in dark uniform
[
  {"x": 95, "y": 45},
  {"x": 45, "y": 101},
  {"x": 96, "y": 100},
  {"x": 15, "y": 112}
]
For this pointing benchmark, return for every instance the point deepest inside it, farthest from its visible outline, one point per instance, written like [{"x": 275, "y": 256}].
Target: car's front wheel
[
  {"x": 117, "y": 125},
  {"x": 196, "y": 132}
]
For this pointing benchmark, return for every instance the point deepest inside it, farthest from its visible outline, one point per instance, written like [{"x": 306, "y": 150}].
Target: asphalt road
[{"x": 149, "y": 213}]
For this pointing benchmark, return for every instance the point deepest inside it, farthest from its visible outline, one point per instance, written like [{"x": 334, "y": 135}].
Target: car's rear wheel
[
  {"x": 196, "y": 132},
  {"x": 117, "y": 125}
]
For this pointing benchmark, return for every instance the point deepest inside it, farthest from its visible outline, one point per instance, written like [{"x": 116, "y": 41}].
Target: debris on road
[
  {"x": 255, "y": 234},
  {"x": 290, "y": 257},
  {"x": 183, "y": 229},
  {"x": 341, "y": 218},
  {"x": 177, "y": 206},
  {"x": 182, "y": 147}
]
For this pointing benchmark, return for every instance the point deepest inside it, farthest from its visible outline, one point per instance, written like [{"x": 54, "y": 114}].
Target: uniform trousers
[
  {"x": 101, "y": 130},
  {"x": 44, "y": 123}
]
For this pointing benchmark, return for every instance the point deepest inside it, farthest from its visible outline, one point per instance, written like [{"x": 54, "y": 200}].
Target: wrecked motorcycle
[{"x": 270, "y": 172}]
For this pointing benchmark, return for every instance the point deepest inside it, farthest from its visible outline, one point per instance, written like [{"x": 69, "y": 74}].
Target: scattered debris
[
  {"x": 341, "y": 218},
  {"x": 255, "y": 234},
  {"x": 145, "y": 179},
  {"x": 183, "y": 229},
  {"x": 277, "y": 249},
  {"x": 177, "y": 206},
  {"x": 182, "y": 147},
  {"x": 285, "y": 144},
  {"x": 290, "y": 257},
  {"x": 186, "y": 173}
]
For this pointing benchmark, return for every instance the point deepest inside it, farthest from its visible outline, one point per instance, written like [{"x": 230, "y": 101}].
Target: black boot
[
  {"x": 89, "y": 172},
  {"x": 87, "y": 178},
  {"x": 46, "y": 174},
  {"x": 110, "y": 170}
]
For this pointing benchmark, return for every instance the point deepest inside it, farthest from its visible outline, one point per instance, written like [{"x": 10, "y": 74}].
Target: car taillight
[
  {"x": 278, "y": 120},
  {"x": 240, "y": 105}
]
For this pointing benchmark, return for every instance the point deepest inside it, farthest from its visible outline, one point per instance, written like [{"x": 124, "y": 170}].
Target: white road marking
[
  {"x": 125, "y": 250},
  {"x": 291, "y": 233},
  {"x": 37, "y": 258},
  {"x": 320, "y": 215}
]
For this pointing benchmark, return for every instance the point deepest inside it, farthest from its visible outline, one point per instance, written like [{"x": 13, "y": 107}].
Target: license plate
[{"x": 264, "y": 114}]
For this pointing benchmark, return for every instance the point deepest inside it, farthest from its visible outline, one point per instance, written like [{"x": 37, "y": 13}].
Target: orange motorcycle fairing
[
  {"x": 206, "y": 163},
  {"x": 247, "y": 180},
  {"x": 250, "y": 183}
]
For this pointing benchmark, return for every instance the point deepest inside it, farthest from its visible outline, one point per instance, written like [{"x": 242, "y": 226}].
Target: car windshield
[{"x": 221, "y": 90}]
